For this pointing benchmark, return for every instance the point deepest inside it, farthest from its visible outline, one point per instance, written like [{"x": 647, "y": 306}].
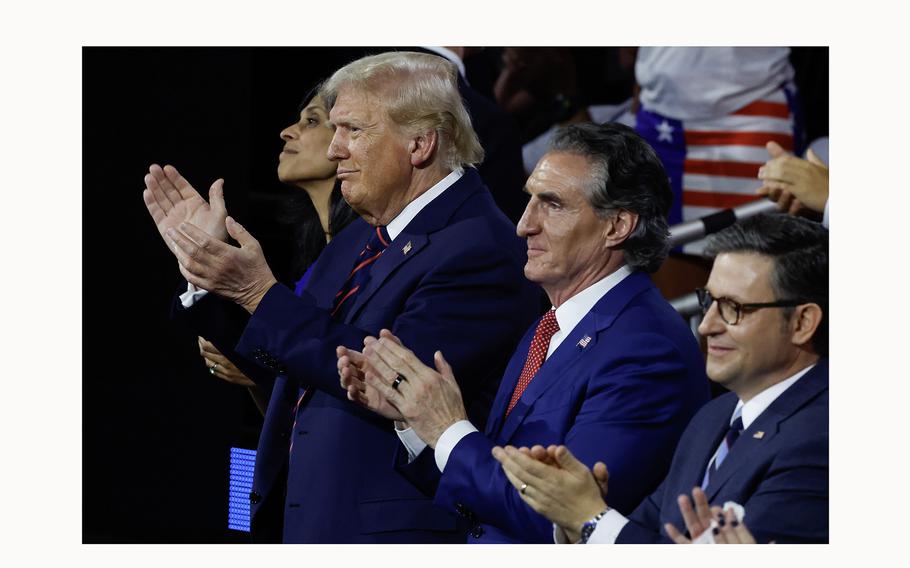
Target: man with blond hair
[{"x": 431, "y": 258}]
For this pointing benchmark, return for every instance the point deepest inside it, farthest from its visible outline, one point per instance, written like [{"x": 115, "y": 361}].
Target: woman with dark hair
[{"x": 314, "y": 215}]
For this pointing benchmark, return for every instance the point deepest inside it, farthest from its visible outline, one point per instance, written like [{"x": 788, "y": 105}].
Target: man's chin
[{"x": 717, "y": 372}]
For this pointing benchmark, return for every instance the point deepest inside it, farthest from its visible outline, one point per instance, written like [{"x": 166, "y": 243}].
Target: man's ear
[
  {"x": 422, "y": 147},
  {"x": 619, "y": 227},
  {"x": 804, "y": 322}
]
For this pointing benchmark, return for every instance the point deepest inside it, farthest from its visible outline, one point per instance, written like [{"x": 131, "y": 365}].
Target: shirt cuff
[
  {"x": 411, "y": 441},
  {"x": 608, "y": 528},
  {"x": 449, "y": 440},
  {"x": 825, "y": 219},
  {"x": 192, "y": 295}
]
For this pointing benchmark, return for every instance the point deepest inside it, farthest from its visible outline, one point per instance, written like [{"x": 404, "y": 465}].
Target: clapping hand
[{"x": 171, "y": 200}]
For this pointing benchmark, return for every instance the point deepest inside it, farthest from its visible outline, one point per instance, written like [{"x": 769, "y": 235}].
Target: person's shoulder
[
  {"x": 640, "y": 308},
  {"x": 479, "y": 239}
]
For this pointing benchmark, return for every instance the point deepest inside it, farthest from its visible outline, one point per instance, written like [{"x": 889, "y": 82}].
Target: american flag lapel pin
[
  {"x": 758, "y": 435},
  {"x": 584, "y": 342},
  {"x": 406, "y": 248}
]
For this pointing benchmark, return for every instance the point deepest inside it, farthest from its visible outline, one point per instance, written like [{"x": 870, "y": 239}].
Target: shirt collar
[
  {"x": 398, "y": 224},
  {"x": 570, "y": 312},
  {"x": 760, "y": 402}
]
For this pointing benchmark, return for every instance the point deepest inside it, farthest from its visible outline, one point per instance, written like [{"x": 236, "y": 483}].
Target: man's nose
[
  {"x": 527, "y": 224},
  {"x": 336, "y": 150},
  {"x": 711, "y": 323}
]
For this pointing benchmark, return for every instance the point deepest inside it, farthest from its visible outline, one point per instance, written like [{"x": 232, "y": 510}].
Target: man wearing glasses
[{"x": 764, "y": 445}]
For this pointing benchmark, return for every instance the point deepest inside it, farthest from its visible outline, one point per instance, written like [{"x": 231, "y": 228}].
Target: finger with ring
[
  {"x": 523, "y": 487},
  {"x": 398, "y": 380},
  {"x": 212, "y": 368}
]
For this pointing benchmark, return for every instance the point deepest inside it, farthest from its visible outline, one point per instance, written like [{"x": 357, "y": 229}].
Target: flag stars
[{"x": 665, "y": 132}]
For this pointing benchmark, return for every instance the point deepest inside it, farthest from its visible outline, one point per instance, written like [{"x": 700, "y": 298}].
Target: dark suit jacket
[
  {"x": 777, "y": 469},
  {"x": 452, "y": 280},
  {"x": 623, "y": 398}
]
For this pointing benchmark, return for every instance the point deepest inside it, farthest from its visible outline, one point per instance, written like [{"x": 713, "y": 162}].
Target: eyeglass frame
[{"x": 703, "y": 293}]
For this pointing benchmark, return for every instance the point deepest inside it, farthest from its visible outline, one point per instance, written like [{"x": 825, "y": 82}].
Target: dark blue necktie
[{"x": 736, "y": 428}]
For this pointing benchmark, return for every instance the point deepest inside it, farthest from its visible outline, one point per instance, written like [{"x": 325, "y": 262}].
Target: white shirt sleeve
[
  {"x": 608, "y": 528},
  {"x": 606, "y": 531},
  {"x": 450, "y": 439},
  {"x": 411, "y": 441},
  {"x": 192, "y": 295}
]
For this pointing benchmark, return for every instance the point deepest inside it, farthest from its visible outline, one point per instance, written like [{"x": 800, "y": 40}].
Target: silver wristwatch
[{"x": 588, "y": 528}]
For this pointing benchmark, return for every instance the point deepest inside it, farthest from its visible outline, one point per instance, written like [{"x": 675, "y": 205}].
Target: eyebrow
[
  {"x": 549, "y": 196},
  {"x": 726, "y": 297}
]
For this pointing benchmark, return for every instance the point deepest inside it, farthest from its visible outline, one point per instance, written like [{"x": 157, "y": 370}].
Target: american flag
[{"x": 713, "y": 163}]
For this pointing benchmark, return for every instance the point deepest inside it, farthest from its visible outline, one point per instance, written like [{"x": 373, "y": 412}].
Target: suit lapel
[
  {"x": 552, "y": 372},
  {"x": 400, "y": 250},
  {"x": 763, "y": 430},
  {"x": 414, "y": 238},
  {"x": 705, "y": 441},
  {"x": 581, "y": 340},
  {"x": 509, "y": 380},
  {"x": 336, "y": 262}
]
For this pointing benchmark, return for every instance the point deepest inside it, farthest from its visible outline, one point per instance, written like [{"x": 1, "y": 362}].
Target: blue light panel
[{"x": 241, "y": 483}]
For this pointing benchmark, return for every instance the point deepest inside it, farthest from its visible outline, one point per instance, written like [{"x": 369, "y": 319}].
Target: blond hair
[{"x": 420, "y": 93}]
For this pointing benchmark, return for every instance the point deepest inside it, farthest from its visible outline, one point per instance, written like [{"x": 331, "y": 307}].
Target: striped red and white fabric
[
  {"x": 723, "y": 155},
  {"x": 713, "y": 162}
]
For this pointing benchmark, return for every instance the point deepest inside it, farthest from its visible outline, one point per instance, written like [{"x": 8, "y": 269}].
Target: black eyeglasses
[{"x": 731, "y": 311}]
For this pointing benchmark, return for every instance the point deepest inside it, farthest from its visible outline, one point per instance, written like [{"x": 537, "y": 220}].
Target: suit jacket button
[{"x": 255, "y": 497}]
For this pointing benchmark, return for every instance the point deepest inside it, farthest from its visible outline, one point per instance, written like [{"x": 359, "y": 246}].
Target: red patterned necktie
[
  {"x": 379, "y": 240},
  {"x": 536, "y": 355},
  {"x": 377, "y": 243}
]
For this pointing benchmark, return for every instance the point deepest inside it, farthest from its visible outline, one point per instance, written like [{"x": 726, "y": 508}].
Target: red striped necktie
[
  {"x": 357, "y": 279},
  {"x": 536, "y": 355},
  {"x": 359, "y": 276}
]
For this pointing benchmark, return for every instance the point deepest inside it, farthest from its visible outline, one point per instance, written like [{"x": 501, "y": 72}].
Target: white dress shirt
[
  {"x": 567, "y": 316},
  {"x": 610, "y": 525},
  {"x": 394, "y": 228}
]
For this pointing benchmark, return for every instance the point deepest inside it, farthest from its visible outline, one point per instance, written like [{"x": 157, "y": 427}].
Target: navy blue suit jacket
[
  {"x": 622, "y": 397},
  {"x": 777, "y": 469},
  {"x": 453, "y": 279}
]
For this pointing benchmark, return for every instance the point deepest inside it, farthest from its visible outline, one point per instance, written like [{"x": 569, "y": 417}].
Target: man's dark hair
[
  {"x": 799, "y": 248},
  {"x": 630, "y": 176}
]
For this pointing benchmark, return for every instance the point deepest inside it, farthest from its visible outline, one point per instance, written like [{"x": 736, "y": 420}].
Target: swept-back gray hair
[
  {"x": 420, "y": 93},
  {"x": 627, "y": 174}
]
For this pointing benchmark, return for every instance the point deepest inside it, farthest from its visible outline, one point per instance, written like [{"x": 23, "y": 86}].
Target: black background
[{"x": 157, "y": 428}]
